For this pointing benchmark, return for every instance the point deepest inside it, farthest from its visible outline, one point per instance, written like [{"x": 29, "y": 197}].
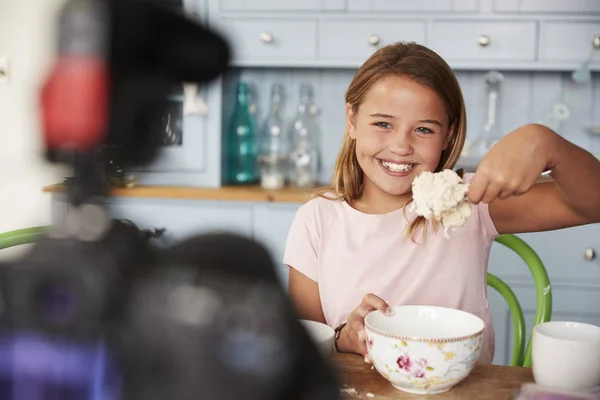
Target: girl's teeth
[{"x": 396, "y": 167}]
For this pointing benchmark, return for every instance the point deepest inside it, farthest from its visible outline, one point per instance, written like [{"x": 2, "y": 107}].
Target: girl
[{"x": 355, "y": 248}]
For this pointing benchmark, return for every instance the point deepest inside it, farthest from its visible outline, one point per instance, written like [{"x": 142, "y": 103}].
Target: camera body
[{"x": 115, "y": 317}]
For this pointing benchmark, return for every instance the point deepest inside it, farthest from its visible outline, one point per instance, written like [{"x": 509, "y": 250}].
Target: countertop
[{"x": 225, "y": 193}]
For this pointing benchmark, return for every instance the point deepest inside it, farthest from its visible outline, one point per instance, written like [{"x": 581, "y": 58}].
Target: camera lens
[{"x": 56, "y": 301}]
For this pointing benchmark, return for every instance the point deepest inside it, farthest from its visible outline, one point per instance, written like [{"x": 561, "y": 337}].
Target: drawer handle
[
  {"x": 374, "y": 40},
  {"x": 153, "y": 233},
  {"x": 589, "y": 254},
  {"x": 266, "y": 37},
  {"x": 483, "y": 40},
  {"x": 596, "y": 42}
]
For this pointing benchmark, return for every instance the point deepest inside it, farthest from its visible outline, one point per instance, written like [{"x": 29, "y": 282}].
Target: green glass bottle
[{"x": 241, "y": 147}]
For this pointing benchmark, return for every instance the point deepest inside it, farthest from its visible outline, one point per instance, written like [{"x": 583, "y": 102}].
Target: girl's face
[{"x": 401, "y": 129}]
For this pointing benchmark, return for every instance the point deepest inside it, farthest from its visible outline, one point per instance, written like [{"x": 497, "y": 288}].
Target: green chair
[
  {"x": 520, "y": 357},
  {"x": 20, "y": 236}
]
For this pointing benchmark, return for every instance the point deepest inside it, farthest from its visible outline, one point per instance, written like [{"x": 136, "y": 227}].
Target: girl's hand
[
  {"x": 352, "y": 336},
  {"x": 514, "y": 164}
]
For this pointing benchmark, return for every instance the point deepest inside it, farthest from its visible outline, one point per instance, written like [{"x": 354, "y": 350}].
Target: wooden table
[{"x": 485, "y": 382}]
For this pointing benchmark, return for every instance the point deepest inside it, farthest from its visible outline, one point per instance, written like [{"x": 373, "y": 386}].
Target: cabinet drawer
[
  {"x": 413, "y": 5},
  {"x": 563, "y": 253},
  {"x": 279, "y": 5},
  {"x": 485, "y": 40},
  {"x": 548, "y": 6},
  {"x": 568, "y": 41},
  {"x": 260, "y": 39},
  {"x": 357, "y": 39}
]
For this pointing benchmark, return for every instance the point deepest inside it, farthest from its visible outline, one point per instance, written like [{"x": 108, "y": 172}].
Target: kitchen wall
[
  {"x": 26, "y": 37},
  {"x": 525, "y": 97}
]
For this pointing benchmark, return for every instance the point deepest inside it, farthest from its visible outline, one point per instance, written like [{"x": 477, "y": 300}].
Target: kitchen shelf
[{"x": 226, "y": 193}]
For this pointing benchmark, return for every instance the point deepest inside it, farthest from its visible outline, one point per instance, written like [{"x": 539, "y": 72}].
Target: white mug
[{"x": 566, "y": 355}]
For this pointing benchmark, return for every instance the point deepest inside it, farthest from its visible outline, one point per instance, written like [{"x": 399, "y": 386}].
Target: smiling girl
[{"x": 355, "y": 248}]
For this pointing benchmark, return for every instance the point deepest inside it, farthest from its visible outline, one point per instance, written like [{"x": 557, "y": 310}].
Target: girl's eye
[
  {"x": 422, "y": 129},
  {"x": 382, "y": 124}
]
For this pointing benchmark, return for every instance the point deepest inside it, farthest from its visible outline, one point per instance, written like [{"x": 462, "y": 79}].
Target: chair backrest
[
  {"x": 520, "y": 356},
  {"x": 20, "y": 236}
]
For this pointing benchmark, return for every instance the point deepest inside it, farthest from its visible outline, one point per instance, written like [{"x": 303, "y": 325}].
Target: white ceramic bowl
[
  {"x": 566, "y": 355},
  {"x": 321, "y": 334},
  {"x": 424, "y": 349}
]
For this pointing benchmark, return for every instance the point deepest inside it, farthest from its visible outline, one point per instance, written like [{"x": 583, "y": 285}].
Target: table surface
[{"x": 486, "y": 382}]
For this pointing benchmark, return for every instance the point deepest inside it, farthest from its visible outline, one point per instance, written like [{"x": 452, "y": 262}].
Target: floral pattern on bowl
[{"x": 423, "y": 367}]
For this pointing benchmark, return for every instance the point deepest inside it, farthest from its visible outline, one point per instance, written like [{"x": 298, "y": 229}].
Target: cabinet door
[
  {"x": 577, "y": 303},
  {"x": 182, "y": 218},
  {"x": 271, "y": 225}
]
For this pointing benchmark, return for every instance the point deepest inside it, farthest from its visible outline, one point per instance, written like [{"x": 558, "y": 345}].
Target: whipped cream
[{"x": 441, "y": 196}]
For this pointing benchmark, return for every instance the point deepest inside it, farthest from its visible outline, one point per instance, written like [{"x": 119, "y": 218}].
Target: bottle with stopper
[
  {"x": 273, "y": 145},
  {"x": 240, "y": 147},
  {"x": 304, "y": 155}
]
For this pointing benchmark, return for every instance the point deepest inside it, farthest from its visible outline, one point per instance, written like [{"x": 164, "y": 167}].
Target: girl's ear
[
  {"x": 449, "y": 136},
  {"x": 350, "y": 121}
]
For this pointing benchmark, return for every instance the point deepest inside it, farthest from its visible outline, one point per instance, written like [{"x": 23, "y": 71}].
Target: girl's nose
[{"x": 401, "y": 143}]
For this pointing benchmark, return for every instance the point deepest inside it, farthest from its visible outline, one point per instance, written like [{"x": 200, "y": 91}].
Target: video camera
[{"x": 95, "y": 310}]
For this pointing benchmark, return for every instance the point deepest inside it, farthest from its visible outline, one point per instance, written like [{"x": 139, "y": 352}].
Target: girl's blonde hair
[{"x": 423, "y": 66}]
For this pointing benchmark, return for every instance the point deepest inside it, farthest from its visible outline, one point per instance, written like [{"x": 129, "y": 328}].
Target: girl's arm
[
  {"x": 304, "y": 293},
  {"x": 506, "y": 180}
]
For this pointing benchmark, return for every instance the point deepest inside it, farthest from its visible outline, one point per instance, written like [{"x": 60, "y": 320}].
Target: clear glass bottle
[
  {"x": 491, "y": 132},
  {"x": 304, "y": 155},
  {"x": 241, "y": 150},
  {"x": 273, "y": 145}
]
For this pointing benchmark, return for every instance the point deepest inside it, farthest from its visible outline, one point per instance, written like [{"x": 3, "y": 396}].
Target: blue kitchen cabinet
[
  {"x": 569, "y": 256},
  {"x": 271, "y": 224},
  {"x": 571, "y": 302},
  {"x": 182, "y": 219}
]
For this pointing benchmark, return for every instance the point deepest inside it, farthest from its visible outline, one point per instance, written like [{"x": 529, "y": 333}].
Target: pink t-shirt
[{"x": 350, "y": 253}]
